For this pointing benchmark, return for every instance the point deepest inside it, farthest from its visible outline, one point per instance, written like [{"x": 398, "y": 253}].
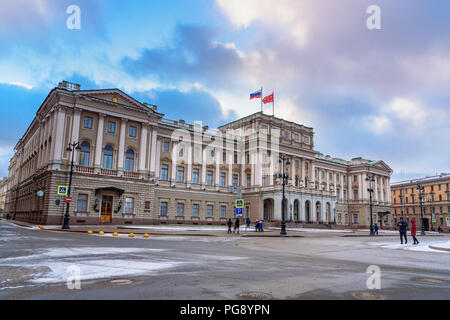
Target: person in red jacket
[{"x": 413, "y": 230}]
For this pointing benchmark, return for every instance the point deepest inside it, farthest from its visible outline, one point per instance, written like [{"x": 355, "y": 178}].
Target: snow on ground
[
  {"x": 313, "y": 230},
  {"x": 423, "y": 245},
  {"x": 396, "y": 231},
  {"x": 190, "y": 228}
]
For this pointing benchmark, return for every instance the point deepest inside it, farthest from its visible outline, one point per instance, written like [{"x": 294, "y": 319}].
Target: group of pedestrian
[
  {"x": 259, "y": 226},
  {"x": 403, "y": 225},
  {"x": 236, "y": 226}
]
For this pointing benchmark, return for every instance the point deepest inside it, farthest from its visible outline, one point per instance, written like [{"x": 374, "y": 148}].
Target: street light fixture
[
  {"x": 371, "y": 179},
  {"x": 284, "y": 176},
  {"x": 75, "y": 145},
  {"x": 421, "y": 189}
]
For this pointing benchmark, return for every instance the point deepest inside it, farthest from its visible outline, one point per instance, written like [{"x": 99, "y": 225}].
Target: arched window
[
  {"x": 107, "y": 157},
  {"x": 129, "y": 160},
  {"x": 84, "y": 154}
]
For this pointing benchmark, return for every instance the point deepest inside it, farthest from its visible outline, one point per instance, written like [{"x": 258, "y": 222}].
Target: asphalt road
[{"x": 34, "y": 264}]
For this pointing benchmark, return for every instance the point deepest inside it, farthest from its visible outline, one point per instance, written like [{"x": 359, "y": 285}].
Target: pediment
[{"x": 382, "y": 165}]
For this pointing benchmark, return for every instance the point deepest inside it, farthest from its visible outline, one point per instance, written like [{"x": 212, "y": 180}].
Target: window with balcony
[
  {"x": 85, "y": 153},
  {"x": 129, "y": 160},
  {"x": 107, "y": 157},
  {"x": 164, "y": 171}
]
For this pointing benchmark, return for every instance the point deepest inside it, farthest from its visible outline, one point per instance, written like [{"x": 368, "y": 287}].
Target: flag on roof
[
  {"x": 256, "y": 94},
  {"x": 268, "y": 98}
]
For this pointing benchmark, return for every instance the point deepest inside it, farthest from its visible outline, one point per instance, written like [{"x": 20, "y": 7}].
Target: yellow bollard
[
  {"x": 146, "y": 235},
  {"x": 131, "y": 235},
  {"x": 115, "y": 234},
  {"x": 101, "y": 233},
  {"x": 41, "y": 227},
  {"x": 90, "y": 232}
]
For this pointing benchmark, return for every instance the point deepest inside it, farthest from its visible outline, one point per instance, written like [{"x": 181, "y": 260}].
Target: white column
[
  {"x": 302, "y": 164},
  {"x": 293, "y": 171},
  {"x": 252, "y": 165},
  {"x": 153, "y": 151},
  {"x": 99, "y": 141},
  {"x": 143, "y": 148},
  {"x": 341, "y": 196},
  {"x": 121, "y": 154},
  {"x": 76, "y": 131},
  {"x": 218, "y": 158},
  {"x": 158, "y": 158},
  {"x": 59, "y": 135},
  {"x": 174, "y": 161},
  {"x": 313, "y": 176},
  {"x": 189, "y": 164},
  {"x": 327, "y": 179},
  {"x": 320, "y": 178},
  {"x": 349, "y": 188},
  {"x": 361, "y": 186},
  {"x": 204, "y": 167},
  {"x": 376, "y": 189},
  {"x": 230, "y": 168}
]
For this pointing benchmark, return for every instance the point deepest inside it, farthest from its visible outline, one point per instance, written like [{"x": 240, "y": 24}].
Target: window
[
  {"x": 129, "y": 206},
  {"x": 132, "y": 131},
  {"x": 211, "y": 154},
  {"x": 224, "y": 157},
  {"x": 180, "y": 209},
  {"x": 223, "y": 211},
  {"x": 355, "y": 194},
  {"x": 235, "y": 180},
  {"x": 147, "y": 205},
  {"x": 249, "y": 180},
  {"x": 111, "y": 127},
  {"x": 355, "y": 218},
  {"x": 209, "y": 178},
  {"x": 165, "y": 146},
  {"x": 107, "y": 157},
  {"x": 439, "y": 187},
  {"x": 346, "y": 218},
  {"x": 345, "y": 194},
  {"x": 440, "y": 210},
  {"x": 180, "y": 174},
  {"x": 355, "y": 178},
  {"x": 129, "y": 160},
  {"x": 164, "y": 171},
  {"x": 235, "y": 158},
  {"x": 406, "y": 198},
  {"x": 263, "y": 179},
  {"x": 195, "y": 176},
  {"x": 195, "y": 210},
  {"x": 84, "y": 154},
  {"x": 223, "y": 177},
  {"x": 82, "y": 202},
  {"x": 440, "y": 197},
  {"x": 337, "y": 194},
  {"x": 339, "y": 218},
  {"x": 296, "y": 163},
  {"x": 163, "y": 210},
  {"x": 209, "y": 210},
  {"x": 180, "y": 150},
  {"x": 88, "y": 122}
]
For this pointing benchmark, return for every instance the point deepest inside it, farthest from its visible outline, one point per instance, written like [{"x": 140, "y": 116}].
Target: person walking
[
  {"x": 247, "y": 223},
  {"x": 236, "y": 225},
  {"x": 402, "y": 225},
  {"x": 414, "y": 230},
  {"x": 229, "y": 224},
  {"x": 261, "y": 226},
  {"x": 376, "y": 229},
  {"x": 257, "y": 226}
]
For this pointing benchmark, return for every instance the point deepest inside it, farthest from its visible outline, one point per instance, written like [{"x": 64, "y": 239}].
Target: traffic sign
[
  {"x": 62, "y": 190},
  {"x": 239, "y": 211},
  {"x": 239, "y": 203},
  {"x": 448, "y": 221},
  {"x": 68, "y": 199}
]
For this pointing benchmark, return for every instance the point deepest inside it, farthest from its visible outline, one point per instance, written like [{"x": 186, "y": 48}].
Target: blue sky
[{"x": 379, "y": 94}]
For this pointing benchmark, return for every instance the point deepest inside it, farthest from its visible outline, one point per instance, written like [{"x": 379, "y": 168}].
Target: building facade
[
  {"x": 133, "y": 166},
  {"x": 3, "y": 189},
  {"x": 435, "y": 202}
]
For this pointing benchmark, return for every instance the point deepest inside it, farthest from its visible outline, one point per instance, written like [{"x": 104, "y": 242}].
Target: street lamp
[
  {"x": 284, "y": 176},
  {"x": 75, "y": 145},
  {"x": 421, "y": 189},
  {"x": 371, "y": 179}
]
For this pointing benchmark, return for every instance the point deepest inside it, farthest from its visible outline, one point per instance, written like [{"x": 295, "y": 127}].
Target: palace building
[
  {"x": 435, "y": 202},
  {"x": 133, "y": 166}
]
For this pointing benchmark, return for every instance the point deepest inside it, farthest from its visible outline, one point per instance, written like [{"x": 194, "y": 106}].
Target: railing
[
  {"x": 108, "y": 172},
  {"x": 130, "y": 174},
  {"x": 84, "y": 169}
]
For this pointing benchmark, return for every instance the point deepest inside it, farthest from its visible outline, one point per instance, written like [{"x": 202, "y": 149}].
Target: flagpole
[
  {"x": 273, "y": 105},
  {"x": 261, "y": 99}
]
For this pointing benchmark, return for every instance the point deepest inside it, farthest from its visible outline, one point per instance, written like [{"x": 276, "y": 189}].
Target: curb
[{"x": 439, "y": 248}]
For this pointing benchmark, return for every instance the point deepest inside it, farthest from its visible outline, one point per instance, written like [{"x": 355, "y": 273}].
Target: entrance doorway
[
  {"x": 426, "y": 224},
  {"x": 106, "y": 212}
]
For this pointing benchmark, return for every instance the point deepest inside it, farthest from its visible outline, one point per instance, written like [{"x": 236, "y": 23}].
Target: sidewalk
[{"x": 211, "y": 231}]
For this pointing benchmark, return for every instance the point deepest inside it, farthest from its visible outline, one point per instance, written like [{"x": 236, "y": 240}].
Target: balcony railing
[
  {"x": 83, "y": 169},
  {"x": 130, "y": 174},
  {"x": 108, "y": 172}
]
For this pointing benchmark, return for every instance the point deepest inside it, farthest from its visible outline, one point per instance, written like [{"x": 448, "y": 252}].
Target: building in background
[
  {"x": 435, "y": 201},
  {"x": 3, "y": 189},
  {"x": 136, "y": 167}
]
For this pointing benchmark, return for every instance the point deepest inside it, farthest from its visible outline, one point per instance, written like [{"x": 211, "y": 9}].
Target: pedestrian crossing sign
[
  {"x": 62, "y": 190},
  {"x": 239, "y": 203}
]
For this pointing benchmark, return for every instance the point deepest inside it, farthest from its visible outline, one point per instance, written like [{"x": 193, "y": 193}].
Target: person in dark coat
[
  {"x": 229, "y": 224},
  {"x": 376, "y": 229},
  {"x": 414, "y": 230},
  {"x": 257, "y": 226},
  {"x": 402, "y": 225},
  {"x": 247, "y": 222},
  {"x": 261, "y": 226},
  {"x": 236, "y": 225}
]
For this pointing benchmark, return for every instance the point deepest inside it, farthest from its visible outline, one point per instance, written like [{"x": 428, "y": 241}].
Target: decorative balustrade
[
  {"x": 83, "y": 169},
  {"x": 130, "y": 174},
  {"x": 108, "y": 172}
]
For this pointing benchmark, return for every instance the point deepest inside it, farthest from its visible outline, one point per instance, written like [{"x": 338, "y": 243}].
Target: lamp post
[
  {"x": 421, "y": 189},
  {"x": 75, "y": 145},
  {"x": 371, "y": 179},
  {"x": 284, "y": 176}
]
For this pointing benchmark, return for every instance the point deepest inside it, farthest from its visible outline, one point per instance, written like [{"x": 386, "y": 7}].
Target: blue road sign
[{"x": 239, "y": 211}]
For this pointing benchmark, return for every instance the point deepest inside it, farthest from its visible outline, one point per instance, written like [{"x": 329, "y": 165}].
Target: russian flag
[{"x": 256, "y": 94}]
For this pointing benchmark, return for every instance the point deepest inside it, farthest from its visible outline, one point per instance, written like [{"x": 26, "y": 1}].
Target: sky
[{"x": 380, "y": 94}]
